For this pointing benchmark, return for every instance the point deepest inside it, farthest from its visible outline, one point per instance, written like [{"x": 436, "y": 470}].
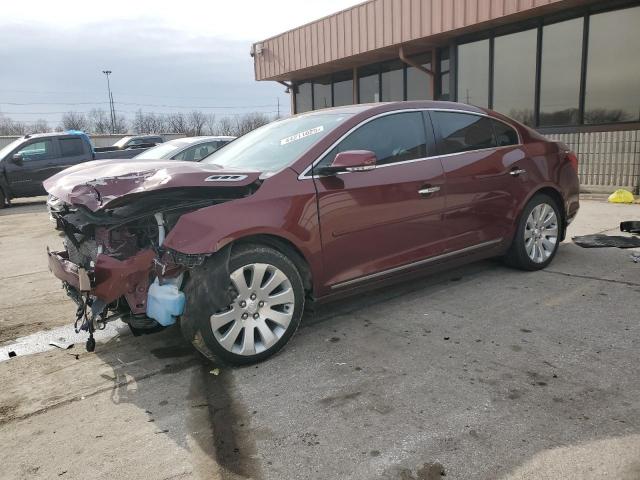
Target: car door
[
  {"x": 26, "y": 172},
  {"x": 386, "y": 218},
  {"x": 480, "y": 190}
]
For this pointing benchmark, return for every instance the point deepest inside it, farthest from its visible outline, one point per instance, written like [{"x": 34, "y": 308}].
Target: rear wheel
[
  {"x": 538, "y": 235},
  {"x": 3, "y": 199},
  {"x": 265, "y": 313}
]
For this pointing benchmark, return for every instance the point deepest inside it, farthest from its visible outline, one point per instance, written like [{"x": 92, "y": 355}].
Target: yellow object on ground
[{"x": 621, "y": 196}]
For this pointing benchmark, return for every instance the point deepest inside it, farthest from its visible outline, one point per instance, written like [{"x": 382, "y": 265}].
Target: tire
[
  {"x": 537, "y": 236},
  {"x": 250, "y": 329},
  {"x": 3, "y": 199}
]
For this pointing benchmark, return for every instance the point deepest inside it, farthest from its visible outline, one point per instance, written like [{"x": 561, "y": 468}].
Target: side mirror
[
  {"x": 351, "y": 161},
  {"x": 17, "y": 159}
]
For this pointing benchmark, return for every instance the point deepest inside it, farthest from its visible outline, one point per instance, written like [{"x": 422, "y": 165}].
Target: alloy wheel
[
  {"x": 260, "y": 314},
  {"x": 541, "y": 233}
]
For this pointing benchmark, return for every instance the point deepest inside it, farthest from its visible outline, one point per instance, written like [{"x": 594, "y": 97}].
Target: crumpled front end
[{"x": 115, "y": 265}]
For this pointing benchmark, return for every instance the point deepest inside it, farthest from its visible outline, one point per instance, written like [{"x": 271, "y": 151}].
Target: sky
[{"x": 165, "y": 56}]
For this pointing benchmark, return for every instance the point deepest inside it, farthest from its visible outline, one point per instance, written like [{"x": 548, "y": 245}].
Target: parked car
[
  {"x": 309, "y": 208},
  {"x": 27, "y": 161},
  {"x": 191, "y": 149},
  {"x": 134, "y": 142}
]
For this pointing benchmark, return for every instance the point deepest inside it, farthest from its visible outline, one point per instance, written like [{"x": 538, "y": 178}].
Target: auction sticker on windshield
[{"x": 301, "y": 135}]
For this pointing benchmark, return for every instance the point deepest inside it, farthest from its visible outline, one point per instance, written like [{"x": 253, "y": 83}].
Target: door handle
[
  {"x": 517, "y": 171},
  {"x": 428, "y": 190}
]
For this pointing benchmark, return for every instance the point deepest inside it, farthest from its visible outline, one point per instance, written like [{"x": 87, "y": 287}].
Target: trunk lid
[{"x": 96, "y": 184}]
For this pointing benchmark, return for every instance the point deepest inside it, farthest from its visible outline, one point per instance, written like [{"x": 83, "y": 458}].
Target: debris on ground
[
  {"x": 215, "y": 371},
  {"x": 61, "y": 344},
  {"x": 12, "y": 354}
]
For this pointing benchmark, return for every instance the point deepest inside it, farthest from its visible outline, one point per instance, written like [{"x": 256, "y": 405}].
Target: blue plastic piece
[{"x": 165, "y": 302}]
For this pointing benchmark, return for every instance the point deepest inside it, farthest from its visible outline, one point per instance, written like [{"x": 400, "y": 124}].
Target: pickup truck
[{"x": 26, "y": 162}]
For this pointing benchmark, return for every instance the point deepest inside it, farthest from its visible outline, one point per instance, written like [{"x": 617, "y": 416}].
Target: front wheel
[
  {"x": 537, "y": 237},
  {"x": 266, "y": 311}
]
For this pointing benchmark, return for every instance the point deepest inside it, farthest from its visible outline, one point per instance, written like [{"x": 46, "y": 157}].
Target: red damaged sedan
[{"x": 308, "y": 208}]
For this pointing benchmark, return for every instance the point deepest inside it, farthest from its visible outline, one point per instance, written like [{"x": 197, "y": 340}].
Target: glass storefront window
[
  {"x": 303, "y": 97},
  {"x": 473, "y": 73},
  {"x": 392, "y": 79},
  {"x": 514, "y": 75},
  {"x": 560, "y": 73},
  {"x": 369, "y": 84},
  {"x": 322, "y": 93},
  {"x": 613, "y": 67},
  {"x": 343, "y": 88},
  {"x": 444, "y": 74},
  {"x": 418, "y": 82}
]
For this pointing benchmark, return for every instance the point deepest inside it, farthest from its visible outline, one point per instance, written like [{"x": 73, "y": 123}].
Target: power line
[{"x": 136, "y": 104}]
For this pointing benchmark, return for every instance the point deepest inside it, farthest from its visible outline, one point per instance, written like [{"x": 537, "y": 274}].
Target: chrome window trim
[
  {"x": 305, "y": 173},
  {"x": 425, "y": 261}
]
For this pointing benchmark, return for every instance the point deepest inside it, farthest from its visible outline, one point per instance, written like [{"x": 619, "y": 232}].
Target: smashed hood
[{"x": 99, "y": 183}]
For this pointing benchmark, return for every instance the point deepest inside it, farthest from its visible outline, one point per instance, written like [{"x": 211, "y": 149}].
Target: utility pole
[{"x": 112, "y": 110}]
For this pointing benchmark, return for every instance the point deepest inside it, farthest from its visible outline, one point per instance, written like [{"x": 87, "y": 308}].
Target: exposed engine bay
[{"x": 115, "y": 266}]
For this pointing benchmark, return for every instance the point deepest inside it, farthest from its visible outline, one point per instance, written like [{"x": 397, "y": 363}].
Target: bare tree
[
  {"x": 177, "y": 123},
  {"x": 249, "y": 121},
  {"x": 210, "y": 124},
  {"x": 196, "y": 121},
  {"x": 99, "y": 121},
  {"x": 225, "y": 127},
  {"x": 75, "y": 121},
  {"x": 148, "y": 123},
  {"x": 11, "y": 127},
  {"x": 39, "y": 126},
  {"x": 121, "y": 125}
]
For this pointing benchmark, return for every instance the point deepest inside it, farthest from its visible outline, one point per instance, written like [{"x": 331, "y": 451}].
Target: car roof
[
  {"x": 386, "y": 106},
  {"x": 196, "y": 140}
]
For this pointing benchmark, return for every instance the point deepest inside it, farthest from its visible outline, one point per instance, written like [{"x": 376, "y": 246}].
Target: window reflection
[
  {"x": 418, "y": 82},
  {"x": 560, "y": 73},
  {"x": 392, "y": 78},
  {"x": 303, "y": 97},
  {"x": 515, "y": 75},
  {"x": 473, "y": 73},
  {"x": 613, "y": 67},
  {"x": 322, "y": 93},
  {"x": 343, "y": 88},
  {"x": 369, "y": 84}
]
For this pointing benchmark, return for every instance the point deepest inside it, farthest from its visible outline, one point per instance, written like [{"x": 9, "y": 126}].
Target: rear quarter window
[{"x": 505, "y": 135}]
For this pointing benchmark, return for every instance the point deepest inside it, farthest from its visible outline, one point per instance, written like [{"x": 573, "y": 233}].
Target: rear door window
[
  {"x": 197, "y": 152},
  {"x": 393, "y": 138},
  {"x": 462, "y": 132},
  {"x": 71, "y": 147}
]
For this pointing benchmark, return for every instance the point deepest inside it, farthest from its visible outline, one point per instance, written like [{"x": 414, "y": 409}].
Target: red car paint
[{"x": 373, "y": 225}]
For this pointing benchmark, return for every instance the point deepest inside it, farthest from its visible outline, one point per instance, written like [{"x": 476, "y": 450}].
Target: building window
[
  {"x": 392, "y": 81},
  {"x": 303, "y": 97},
  {"x": 461, "y": 132},
  {"x": 322, "y": 93},
  {"x": 343, "y": 88},
  {"x": 613, "y": 67},
  {"x": 473, "y": 73},
  {"x": 418, "y": 82},
  {"x": 514, "y": 77},
  {"x": 560, "y": 73},
  {"x": 369, "y": 84},
  {"x": 444, "y": 74}
]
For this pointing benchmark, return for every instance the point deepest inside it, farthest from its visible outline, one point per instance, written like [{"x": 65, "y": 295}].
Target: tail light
[{"x": 573, "y": 160}]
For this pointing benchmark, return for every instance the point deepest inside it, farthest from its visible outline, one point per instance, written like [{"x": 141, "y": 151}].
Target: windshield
[
  {"x": 164, "y": 150},
  {"x": 122, "y": 142},
  {"x": 278, "y": 144},
  {"x": 5, "y": 151}
]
